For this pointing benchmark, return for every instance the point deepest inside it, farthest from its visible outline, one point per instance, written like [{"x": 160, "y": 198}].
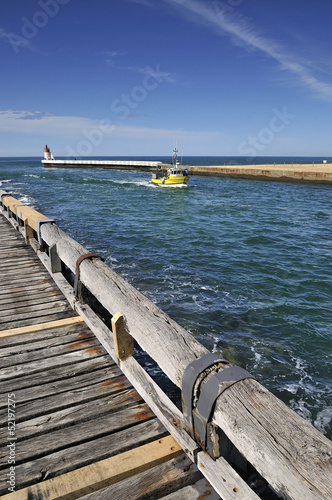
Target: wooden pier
[
  {"x": 71, "y": 406},
  {"x": 81, "y": 418}
]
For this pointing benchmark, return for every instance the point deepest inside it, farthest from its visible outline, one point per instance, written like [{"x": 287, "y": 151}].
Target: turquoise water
[{"x": 245, "y": 266}]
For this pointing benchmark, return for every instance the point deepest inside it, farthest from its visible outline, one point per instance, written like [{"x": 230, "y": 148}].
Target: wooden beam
[
  {"x": 41, "y": 327},
  {"x": 93, "y": 477},
  {"x": 123, "y": 341},
  {"x": 32, "y": 216},
  {"x": 8, "y": 201}
]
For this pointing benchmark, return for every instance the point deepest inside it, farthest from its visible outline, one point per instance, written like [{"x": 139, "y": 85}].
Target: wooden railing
[{"x": 256, "y": 434}]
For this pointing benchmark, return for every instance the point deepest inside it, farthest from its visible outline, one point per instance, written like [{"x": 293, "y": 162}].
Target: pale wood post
[
  {"x": 28, "y": 232},
  {"x": 123, "y": 341}
]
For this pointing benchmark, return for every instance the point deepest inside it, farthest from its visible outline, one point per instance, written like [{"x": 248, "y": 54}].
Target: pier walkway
[
  {"x": 82, "y": 416},
  {"x": 65, "y": 405}
]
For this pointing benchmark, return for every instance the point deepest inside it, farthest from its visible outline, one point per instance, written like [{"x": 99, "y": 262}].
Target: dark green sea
[{"x": 244, "y": 265}]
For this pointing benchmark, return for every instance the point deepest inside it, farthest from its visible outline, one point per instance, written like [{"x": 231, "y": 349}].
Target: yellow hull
[{"x": 171, "y": 181}]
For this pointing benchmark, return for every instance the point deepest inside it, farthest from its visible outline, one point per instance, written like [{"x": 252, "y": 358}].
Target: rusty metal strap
[
  {"x": 202, "y": 384},
  {"x": 77, "y": 276}
]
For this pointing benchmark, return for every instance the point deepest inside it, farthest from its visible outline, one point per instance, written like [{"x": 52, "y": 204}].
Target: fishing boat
[{"x": 176, "y": 176}]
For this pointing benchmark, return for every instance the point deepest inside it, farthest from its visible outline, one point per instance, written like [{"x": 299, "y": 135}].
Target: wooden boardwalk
[
  {"x": 77, "y": 418},
  {"x": 80, "y": 417}
]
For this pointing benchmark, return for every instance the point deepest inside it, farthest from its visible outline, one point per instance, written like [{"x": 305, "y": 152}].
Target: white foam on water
[
  {"x": 136, "y": 183},
  {"x": 4, "y": 181},
  {"x": 300, "y": 407},
  {"x": 323, "y": 419},
  {"x": 292, "y": 388},
  {"x": 257, "y": 356}
]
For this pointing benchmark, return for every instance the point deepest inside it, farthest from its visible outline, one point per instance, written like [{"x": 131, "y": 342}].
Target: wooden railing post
[
  {"x": 28, "y": 232},
  {"x": 123, "y": 341}
]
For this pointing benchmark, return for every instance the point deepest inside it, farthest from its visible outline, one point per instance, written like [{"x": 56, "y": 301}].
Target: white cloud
[
  {"x": 228, "y": 21},
  {"x": 111, "y": 55},
  {"x": 41, "y": 123}
]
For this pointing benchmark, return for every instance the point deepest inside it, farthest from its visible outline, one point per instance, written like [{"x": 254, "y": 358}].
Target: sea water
[{"x": 245, "y": 266}]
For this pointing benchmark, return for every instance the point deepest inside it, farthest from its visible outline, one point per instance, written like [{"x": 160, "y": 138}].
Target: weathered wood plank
[
  {"x": 9, "y": 262},
  {"x": 56, "y": 387},
  {"x": 56, "y": 440},
  {"x": 25, "y": 341},
  {"x": 21, "y": 276},
  {"x": 47, "y": 315},
  {"x": 21, "y": 299},
  {"x": 51, "y": 341},
  {"x": 41, "y": 327},
  {"x": 23, "y": 286},
  {"x": 154, "y": 483},
  {"x": 95, "y": 476},
  {"x": 34, "y": 306},
  {"x": 49, "y": 352},
  {"x": 56, "y": 361},
  {"x": 86, "y": 453},
  {"x": 17, "y": 265},
  {"x": 84, "y": 412},
  {"x": 21, "y": 281},
  {"x": 48, "y": 404},
  {"x": 198, "y": 491},
  {"x": 62, "y": 372},
  {"x": 225, "y": 480},
  {"x": 33, "y": 289}
]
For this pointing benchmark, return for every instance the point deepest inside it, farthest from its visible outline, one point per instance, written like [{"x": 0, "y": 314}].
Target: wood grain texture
[
  {"x": 41, "y": 327},
  {"x": 98, "y": 475}
]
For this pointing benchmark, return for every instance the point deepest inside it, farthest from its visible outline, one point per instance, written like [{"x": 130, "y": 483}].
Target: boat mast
[{"x": 175, "y": 156}]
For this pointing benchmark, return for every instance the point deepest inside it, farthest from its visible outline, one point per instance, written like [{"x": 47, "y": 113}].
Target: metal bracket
[
  {"x": 39, "y": 223},
  {"x": 202, "y": 384},
  {"x": 189, "y": 378},
  {"x": 77, "y": 284},
  {"x": 55, "y": 260},
  {"x": 3, "y": 194}
]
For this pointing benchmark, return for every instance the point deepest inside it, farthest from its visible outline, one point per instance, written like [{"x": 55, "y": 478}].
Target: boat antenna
[{"x": 175, "y": 151}]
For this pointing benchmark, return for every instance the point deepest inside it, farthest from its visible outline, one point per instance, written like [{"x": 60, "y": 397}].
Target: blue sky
[{"x": 134, "y": 77}]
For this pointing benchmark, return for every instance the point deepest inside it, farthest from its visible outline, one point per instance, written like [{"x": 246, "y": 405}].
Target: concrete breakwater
[
  {"x": 321, "y": 173},
  {"x": 123, "y": 164},
  {"x": 318, "y": 173}
]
